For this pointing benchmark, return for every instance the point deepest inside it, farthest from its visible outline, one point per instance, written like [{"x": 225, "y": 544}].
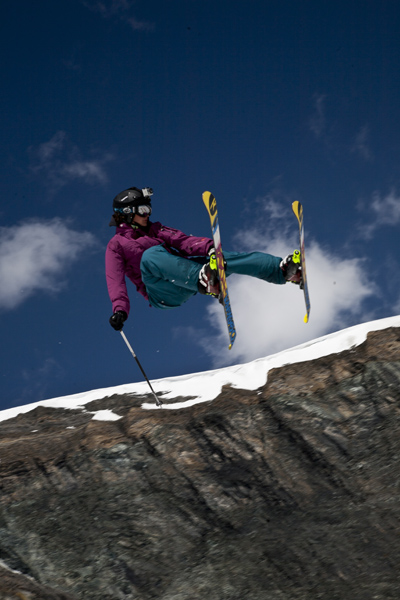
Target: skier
[{"x": 169, "y": 267}]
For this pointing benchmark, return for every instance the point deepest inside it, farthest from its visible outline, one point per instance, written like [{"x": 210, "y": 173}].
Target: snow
[
  {"x": 105, "y": 415},
  {"x": 206, "y": 386}
]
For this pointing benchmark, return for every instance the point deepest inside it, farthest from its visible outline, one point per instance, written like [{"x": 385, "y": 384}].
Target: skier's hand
[{"x": 117, "y": 320}]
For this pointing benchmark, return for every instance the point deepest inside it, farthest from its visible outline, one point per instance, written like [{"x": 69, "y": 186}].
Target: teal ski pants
[{"x": 171, "y": 280}]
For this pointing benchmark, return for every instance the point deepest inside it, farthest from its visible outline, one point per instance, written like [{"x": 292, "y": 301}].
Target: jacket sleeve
[
  {"x": 187, "y": 245},
  {"x": 115, "y": 276}
]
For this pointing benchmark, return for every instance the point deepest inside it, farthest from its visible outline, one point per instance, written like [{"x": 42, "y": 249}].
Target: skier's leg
[
  {"x": 256, "y": 264},
  {"x": 170, "y": 280}
]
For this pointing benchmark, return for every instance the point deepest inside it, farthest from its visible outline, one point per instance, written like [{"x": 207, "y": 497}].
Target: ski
[
  {"x": 211, "y": 206},
  {"x": 298, "y": 211}
]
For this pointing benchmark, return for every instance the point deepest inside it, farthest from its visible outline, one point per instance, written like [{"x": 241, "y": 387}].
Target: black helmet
[
  {"x": 131, "y": 198},
  {"x": 127, "y": 203}
]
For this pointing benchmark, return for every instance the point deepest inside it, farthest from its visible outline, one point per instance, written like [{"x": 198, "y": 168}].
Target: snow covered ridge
[{"x": 206, "y": 386}]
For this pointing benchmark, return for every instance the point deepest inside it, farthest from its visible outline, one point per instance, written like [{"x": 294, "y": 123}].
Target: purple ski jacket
[{"x": 124, "y": 253}]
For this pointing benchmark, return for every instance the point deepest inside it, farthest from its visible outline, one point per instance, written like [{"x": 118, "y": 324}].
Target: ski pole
[{"x": 157, "y": 399}]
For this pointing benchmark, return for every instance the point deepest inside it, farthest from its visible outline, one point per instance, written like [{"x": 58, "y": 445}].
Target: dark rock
[
  {"x": 15, "y": 586},
  {"x": 290, "y": 492}
]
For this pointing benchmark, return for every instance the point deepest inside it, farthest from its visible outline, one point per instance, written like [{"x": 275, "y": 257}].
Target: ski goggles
[{"x": 143, "y": 210}]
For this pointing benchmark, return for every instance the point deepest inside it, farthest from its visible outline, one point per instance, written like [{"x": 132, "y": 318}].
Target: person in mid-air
[{"x": 167, "y": 266}]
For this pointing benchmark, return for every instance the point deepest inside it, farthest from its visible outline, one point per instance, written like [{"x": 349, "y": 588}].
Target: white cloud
[
  {"x": 269, "y": 318},
  {"x": 119, "y": 9},
  {"x": 108, "y": 8},
  {"x": 34, "y": 257},
  {"x": 317, "y": 120},
  {"x": 140, "y": 25},
  {"x": 383, "y": 212},
  {"x": 61, "y": 162},
  {"x": 387, "y": 210},
  {"x": 361, "y": 145}
]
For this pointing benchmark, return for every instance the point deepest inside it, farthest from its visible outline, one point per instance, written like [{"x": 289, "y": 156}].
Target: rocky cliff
[{"x": 289, "y": 492}]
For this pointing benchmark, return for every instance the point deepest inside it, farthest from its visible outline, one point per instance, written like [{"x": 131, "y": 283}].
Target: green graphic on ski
[
  {"x": 298, "y": 211},
  {"x": 211, "y": 206}
]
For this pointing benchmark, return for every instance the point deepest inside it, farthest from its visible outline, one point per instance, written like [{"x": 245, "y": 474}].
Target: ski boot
[
  {"x": 291, "y": 268},
  {"x": 208, "y": 283}
]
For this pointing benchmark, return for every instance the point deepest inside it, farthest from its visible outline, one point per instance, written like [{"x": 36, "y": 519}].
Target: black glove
[{"x": 117, "y": 320}]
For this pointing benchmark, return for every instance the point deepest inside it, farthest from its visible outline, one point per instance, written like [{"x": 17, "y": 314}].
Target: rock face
[{"x": 290, "y": 492}]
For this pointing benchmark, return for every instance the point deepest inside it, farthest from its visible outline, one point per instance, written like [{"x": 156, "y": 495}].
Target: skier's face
[{"x": 141, "y": 220}]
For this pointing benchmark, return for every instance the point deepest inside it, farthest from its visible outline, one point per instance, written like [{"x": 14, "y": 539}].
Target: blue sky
[{"x": 261, "y": 103}]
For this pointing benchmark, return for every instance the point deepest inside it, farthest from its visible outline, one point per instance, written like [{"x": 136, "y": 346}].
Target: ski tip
[
  {"x": 306, "y": 319},
  {"x": 296, "y": 206}
]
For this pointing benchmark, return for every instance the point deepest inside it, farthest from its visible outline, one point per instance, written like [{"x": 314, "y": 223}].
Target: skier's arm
[
  {"x": 115, "y": 276},
  {"x": 188, "y": 245}
]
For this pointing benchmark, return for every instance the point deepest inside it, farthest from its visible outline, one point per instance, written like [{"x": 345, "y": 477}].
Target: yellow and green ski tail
[
  {"x": 298, "y": 211},
  {"x": 211, "y": 206}
]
